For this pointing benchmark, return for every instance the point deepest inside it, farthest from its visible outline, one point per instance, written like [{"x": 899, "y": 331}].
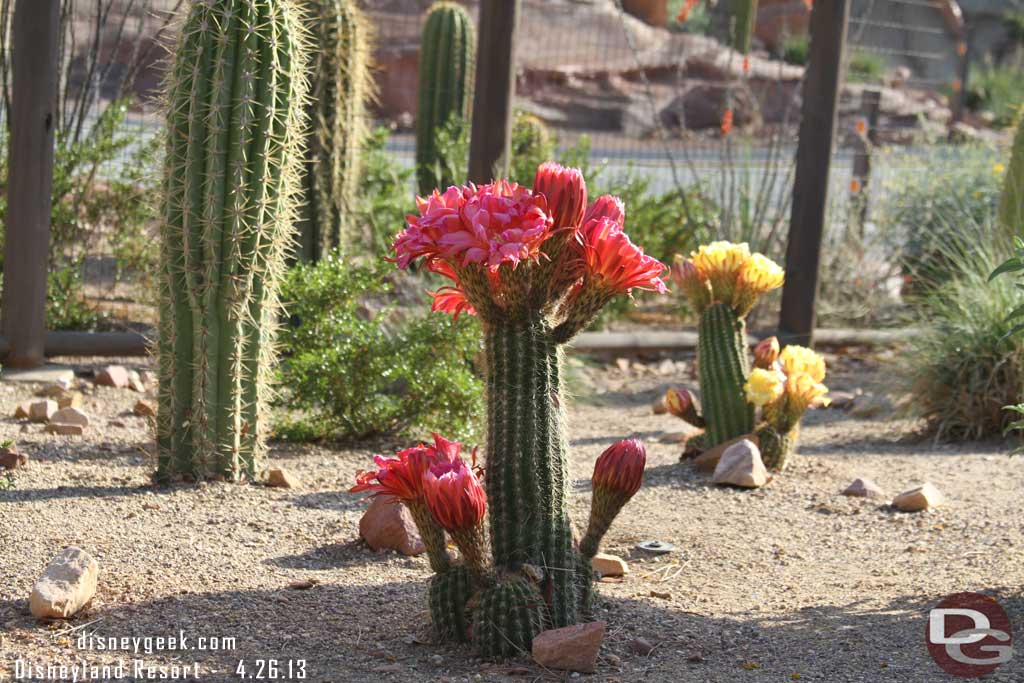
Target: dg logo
[{"x": 969, "y": 635}]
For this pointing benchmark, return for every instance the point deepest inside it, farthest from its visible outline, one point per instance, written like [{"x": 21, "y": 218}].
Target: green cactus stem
[
  {"x": 724, "y": 366},
  {"x": 507, "y": 617},
  {"x": 450, "y": 593},
  {"x": 341, "y": 86},
  {"x": 447, "y": 61},
  {"x": 744, "y": 17},
  {"x": 235, "y": 96},
  {"x": 1011, "y": 204},
  {"x": 527, "y": 478},
  {"x": 776, "y": 447}
]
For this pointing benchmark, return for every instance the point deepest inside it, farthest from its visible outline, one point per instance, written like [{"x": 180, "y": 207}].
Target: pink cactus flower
[
  {"x": 402, "y": 475},
  {"x": 454, "y": 495},
  {"x": 617, "y": 263},
  {"x": 766, "y": 353},
  {"x": 620, "y": 469},
  {"x": 606, "y": 206},
  {"x": 565, "y": 191}
]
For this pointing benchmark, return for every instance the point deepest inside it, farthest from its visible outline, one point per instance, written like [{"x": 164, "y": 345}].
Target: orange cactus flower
[
  {"x": 854, "y": 185},
  {"x": 613, "y": 262},
  {"x": 684, "y": 11},
  {"x": 727, "y": 120},
  {"x": 745, "y": 64},
  {"x": 861, "y": 126}
]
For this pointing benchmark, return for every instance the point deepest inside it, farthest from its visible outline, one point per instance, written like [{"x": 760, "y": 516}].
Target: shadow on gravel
[
  {"x": 331, "y": 556},
  {"x": 60, "y": 492}
]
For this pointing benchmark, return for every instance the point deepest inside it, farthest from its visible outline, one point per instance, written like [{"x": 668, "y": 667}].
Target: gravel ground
[{"x": 791, "y": 582}]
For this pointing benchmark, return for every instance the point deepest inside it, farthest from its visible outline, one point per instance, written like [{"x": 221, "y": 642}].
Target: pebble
[
  {"x": 279, "y": 477},
  {"x": 917, "y": 499},
  {"x": 862, "y": 487},
  {"x": 113, "y": 376}
]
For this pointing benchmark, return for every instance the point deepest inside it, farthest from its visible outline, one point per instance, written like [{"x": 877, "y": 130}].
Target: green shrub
[
  {"x": 864, "y": 67},
  {"x": 385, "y": 195},
  {"x": 966, "y": 366},
  {"x": 795, "y": 50},
  {"x": 350, "y": 373},
  {"x": 996, "y": 89}
]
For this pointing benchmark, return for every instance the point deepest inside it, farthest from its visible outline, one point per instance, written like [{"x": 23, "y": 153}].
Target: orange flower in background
[
  {"x": 727, "y": 121},
  {"x": 854, "y": 185},
  {"x": 684, "y": 11},
  {"x": 745, "y": 64},
  {"x": 809, "y": 4},
  {"x": 961, "y": 48},
  {"x": 956, "y": 85},
  {"x": 861, "y": 126}
]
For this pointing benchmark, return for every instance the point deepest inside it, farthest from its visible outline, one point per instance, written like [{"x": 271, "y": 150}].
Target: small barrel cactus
[
  {"x": 235, "y": 99},
  {"x": 536, "y": 266},
  {"x": 341, "y": 84},
  {"x": 447, "y": 62}
]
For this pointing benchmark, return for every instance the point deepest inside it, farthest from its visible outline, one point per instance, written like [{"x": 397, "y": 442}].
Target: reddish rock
[
  {"x": 387, "y": 524},
  {"x": 144, "y": 409},
  {"x": 862, "y": 487},
  {"x": 70, "y": 416},
  {"x": 113, "y": 376},
  {"x": 11, "y": 459},
  {"x": 24, "y": 410},
  {"x": 573, "y": 648},
  {"x": 65, "y": 429},
  {"x": 609, "y": 565},
  {"x": 708, "y": 460},
  {"x": 279, "y": 477},
  {"x": 741, "y": 465},
  {"x": 42, "y": 411}
]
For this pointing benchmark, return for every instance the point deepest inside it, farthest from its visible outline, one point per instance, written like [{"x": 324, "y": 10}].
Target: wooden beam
[
  {"x": 36, "y": 29},
  {"x": 90, "y": 344},
  {"x": 491, "y": 132},
  {"x": 822, "y": 83}
]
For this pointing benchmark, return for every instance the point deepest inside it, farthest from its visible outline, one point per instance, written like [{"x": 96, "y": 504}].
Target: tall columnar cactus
[
  {"x": 723, "y": 282},
  {"x": 1011, "y": 205},
  {"x": 447, "y": 62},
  {"x": 743, "y": 18},
  {"x": 341, "y": 85},
  {"x": 235, "y": 114},
  {"x": 536, "y": 267}
]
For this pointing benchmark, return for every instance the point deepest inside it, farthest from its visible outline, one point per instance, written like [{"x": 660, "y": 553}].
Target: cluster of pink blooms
[
  {"x": 434, "y": 474},
  {"x": 504, "y": 225}
]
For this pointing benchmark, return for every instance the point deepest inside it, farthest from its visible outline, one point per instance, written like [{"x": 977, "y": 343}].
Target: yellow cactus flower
[
  {"x": 757, "y": 275},
  {"x": 803, "y": 392},
  {"x": 720, "y": 263},
  {"x": 797, "y": 360},
  {"x": 764, "y": 386},
  {"x": 694, "y": 285}
]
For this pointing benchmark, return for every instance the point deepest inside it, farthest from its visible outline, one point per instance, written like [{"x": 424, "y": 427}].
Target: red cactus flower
[
  {"x": 490, "y": 225},
  {"x": 454, "y": 495},
  {"x": 620, "y": 469},
  {"x": 727, "y": 120},
  {"x": 614, "y": 262},
  {"x": 402, "y": 475},
  {"x": 450, "y": 299},
  {"x": 606, "y": 206},
  {"x": 565, "y": 191}
]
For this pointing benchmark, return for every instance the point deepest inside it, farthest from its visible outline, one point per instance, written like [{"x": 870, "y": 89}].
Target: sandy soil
[{"x": 791, "y": 582}]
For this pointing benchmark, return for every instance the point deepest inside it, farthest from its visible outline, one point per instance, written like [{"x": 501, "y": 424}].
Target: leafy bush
[
  {"x": 864, "y": 67},
  {"x": 795, "y": 50},
  {"x": 385, "y": 195},
  {"x": 966, "y": 366},
  {"x": 351, "y": 373},
  {"x": 922, "y": 212},
  {"x": 996, "y": 89}
]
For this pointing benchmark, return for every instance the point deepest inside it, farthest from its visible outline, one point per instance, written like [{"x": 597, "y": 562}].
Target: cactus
[
  {"x": 724, "y": 366},
  {"x": 723, "y": 282},
  {"x": 1011, "y": 204},
  {"x": 744, "y": 17},
  {"x": 450, "y": 592},
  {"x": 507, "y": 617},
  {"x": 235, "y": 99},
  {"x": 447, "y": 61},
  {"x": 536, "y": 267},
  {"x": 341, "y": 84}
]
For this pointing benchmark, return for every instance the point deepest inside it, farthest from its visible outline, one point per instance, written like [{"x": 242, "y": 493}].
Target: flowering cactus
[
  {"x": 723, "y": 282},
  {"x": 536, "y": 266},
  {"x": 784, "y": 390}
]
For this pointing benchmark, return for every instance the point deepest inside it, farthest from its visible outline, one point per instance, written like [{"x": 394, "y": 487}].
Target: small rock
[
  {"x": 151, "y": 506},
  {"x": 918, "y": 499},
  {"x": 870, "y": 405},
  {"x": 65, "y": 429},
  {"x": 24, "y": 410},
  {"x": 862, "y": 487},
  {"x": 623, "y": 364},
  {"x": 740, "y": 465},
  {"x": 302, "y": 585},
  {"x": 135, "y": 382},
  {"x": 660, "y": 407},
  {"x": 11, "y": 459},
  {"x": 573, "y": 648},
  {"x": 708, "y": 460},
  {"x": 42, "y": 411},
  {"x": 144, "y": 408},
  {"x": 841, "y": 400},
  {"x": 667, "y": 367},
  {"x": 54, "y": 389},
  {"x": 148, "y": 378},
  {"x": 279, "y": 477},
  {"x": 609, "y": 565},
  {"x": 67, "y": 584},
  {"x": 387, "y": 524},
  {"x": 640, "y": 646},
  {"x": 113, "y": 376},
  {"x": 70, "y": 399},
  {"x": 70, "y": 416}
]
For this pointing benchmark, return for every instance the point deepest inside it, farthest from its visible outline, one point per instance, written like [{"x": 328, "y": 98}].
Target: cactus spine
[
  {"x": 1011, "y": 205},
  {"x": 724, "y": 366},
  {"x": 744, "y": 17},
  {"x": 447, "y": 61},
  {"x": 341, "y": 84},
  {"x": 234, "y": 97}
]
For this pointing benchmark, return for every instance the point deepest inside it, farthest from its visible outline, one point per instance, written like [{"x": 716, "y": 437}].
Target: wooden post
[
  {"x": 822, "y": 82},
  {"x": 963, "y": 51},
  {"x": 491, "y": 133},
  {"x": 36, "y": 31}
]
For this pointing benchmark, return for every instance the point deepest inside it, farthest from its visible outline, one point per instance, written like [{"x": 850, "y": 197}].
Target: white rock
[
  {"x": 68, "y": 583},
  {"x": 70, "y": 416},
  {"x": 42, "y": 411},
  {"x": 918, "y": 499},
  {"x": 862, "y": 487},
  {"x": 741, "y": 465},
  {"x": 282, "y": 478}
]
